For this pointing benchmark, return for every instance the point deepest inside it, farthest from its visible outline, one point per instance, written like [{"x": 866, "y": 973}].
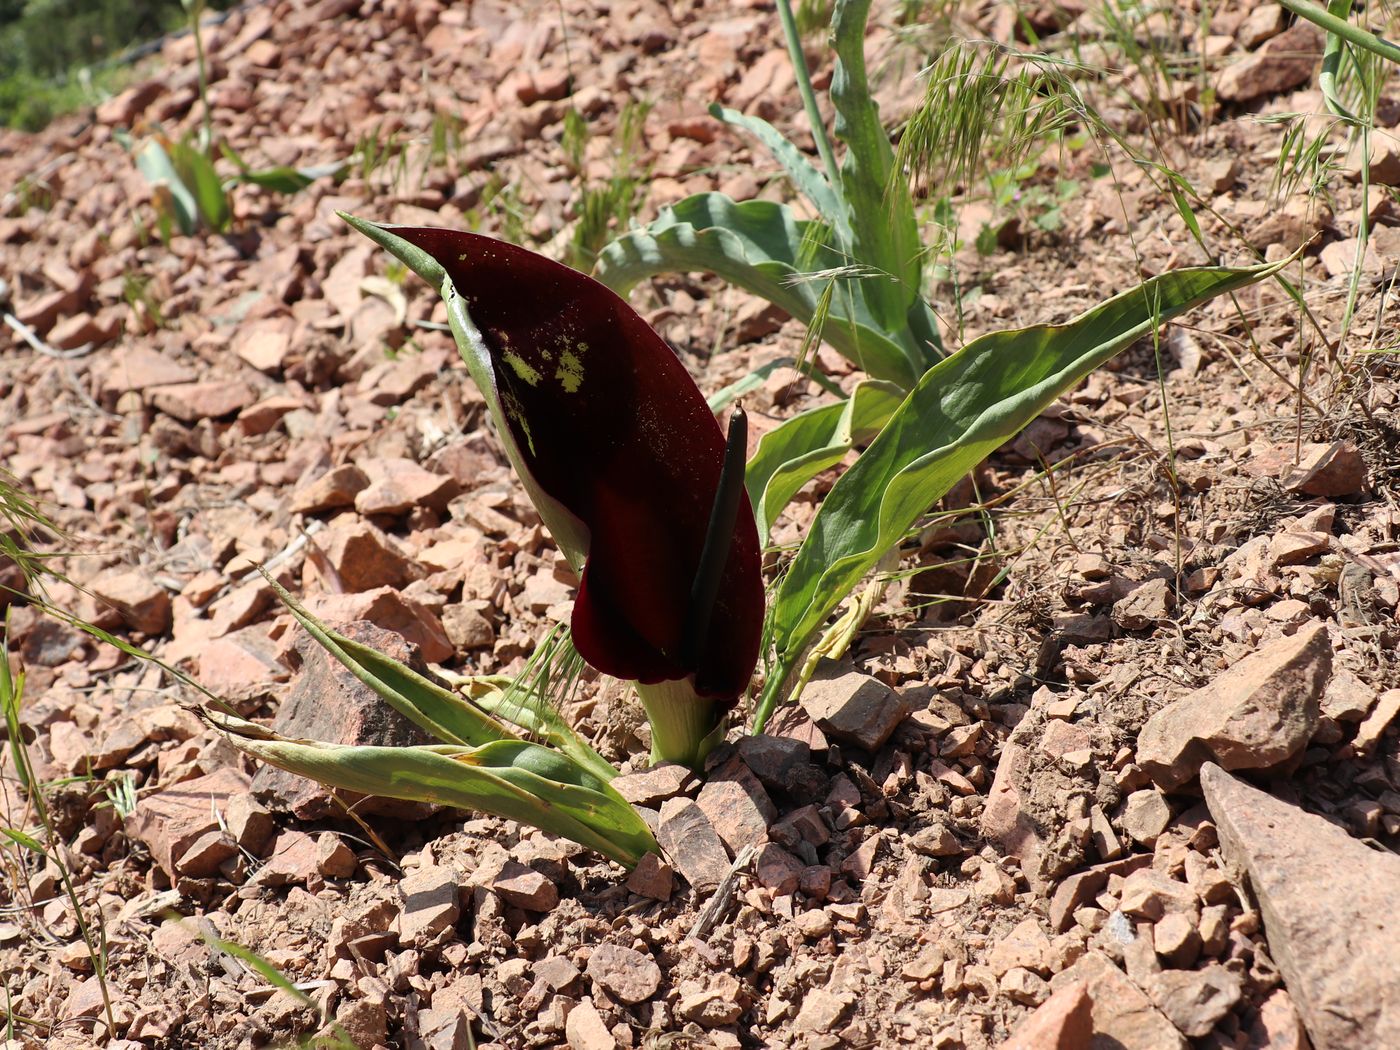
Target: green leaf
[
  {"x": 155, "y": 164},
  {"x": 282, "y": 178},
  {"x": 27, "y": 841},
  {"x": 885, "y": 234},
  {"x": 800, "y": 448},
  {"x": 961, "y": 410},
  {"x": 439, "y": 711},
  {"x": 810, "y": 182},
  {"x": 523, "y": 707},
  {"x": 197, "y": 173},
  {"x": 507, "y": 778},
  {"x": 759, "y": 246}
]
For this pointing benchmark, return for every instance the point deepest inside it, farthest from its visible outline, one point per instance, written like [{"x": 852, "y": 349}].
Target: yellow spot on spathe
[
  {"x": 570, "y": 373},
  {"x": 522, "y": 368}
]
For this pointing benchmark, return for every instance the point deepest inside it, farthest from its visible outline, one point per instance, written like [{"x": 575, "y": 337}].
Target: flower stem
[{"x": 684, "y": 726}]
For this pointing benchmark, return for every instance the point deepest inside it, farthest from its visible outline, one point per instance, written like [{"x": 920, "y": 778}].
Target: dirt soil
[{"x": 196, "y": 408}]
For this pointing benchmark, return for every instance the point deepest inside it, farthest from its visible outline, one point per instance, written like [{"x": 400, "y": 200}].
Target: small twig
[
  {"x": 724, "y": 894},
  {"x": 29, "y": 336}
]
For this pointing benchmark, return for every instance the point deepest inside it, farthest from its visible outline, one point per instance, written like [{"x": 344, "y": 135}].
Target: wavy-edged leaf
[
  {"x": 810, "y": 182},
  {"x": 535, "y": 716},
  {"x": 964, "y": 407},
  {"x": 885, "y": 234},
  {"x": 800, "y": 448},
  {"x": 615, "y": 446},
  {"x": 155, "y": 164},
  {"x": 514, "y": 779},
  {"x": 758, "y": 245}
]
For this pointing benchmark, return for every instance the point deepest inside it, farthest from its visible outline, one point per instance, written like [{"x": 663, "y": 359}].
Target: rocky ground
[{"x": 1116, "y": 765}]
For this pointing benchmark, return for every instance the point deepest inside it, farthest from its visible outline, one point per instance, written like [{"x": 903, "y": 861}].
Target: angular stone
[
  {"x": 693, "y": 845},
  {"x": 1146, "y": 815},
  {"x": 206, "y": 853},
  {"x": 170, "y": 820},
  {"x": 822, "y": 1010},
  {"x": 1283, "y": 63},
  {"x": 525, "y": 887},
  {"x": 1025, "y": 947},
  {"x": 131, "y": 368},
  {"x": 334, "y": 859},
  {"x": 1278, "y": 1026},
  {"x": 1083, "y": 886},
  {"x": 265, "y": 344},
  {"x": 431, "y": 903},
  {"x": 1195, "y": 1000},
  {"x": 778, "y": 761},
  {"x": 144, "y": 604},
  {"x": 328, "y": 703},
  {"x": 292, "y": 859},
  {"x": 1337, "y": 469},
  {"x": 336, "y": 488},
  {"x": 630, "y": 975},
  {"x": 585, "y": 1030},
  {"x": 1004, "y": 819},
  {"x": 737, "y": 806},
  {"x": 854, "y": 708},
  {"x": 652, "y": 878},
  {"x": 121, "y": 110},
  {"x": 82, "y": 330},
  {"x": 241, "y": 666},
  {"x": 398, "y": 486},
  {"x": 364, "y": 557},
  {"x": 212, "y": 399},
  {"x": 1328, "y": 903},
  {"x": 777, "y": 869},
  {"x": 1256, "y": 715},
  {"x": 722, "y": 1002},
  {"x": 1062, "y": 1022},
  {"x": 1176, "y": 939},
  {"x": 1146, "y": 606},
  {"x": 657, "y": 784},
  {"x": 1123, "y": 1017},
  {"x": 1149, "y": 894},
  {"x": 387, "y": 608}
]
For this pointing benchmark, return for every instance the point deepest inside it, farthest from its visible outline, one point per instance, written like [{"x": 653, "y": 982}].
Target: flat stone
[
  {"x": 1004, "y": 818},
  {"x": 652, "y": 877},
  {"x": 1176, "y": 939},
  {"x": 854, "y": 708},
  {"x": 1256, "y": 715},
  {"x": 721, "y": 1002},
  {"x": 777, "y": 869},
  {"x": 1328, "y": 903},
  {"x": 626, "y": 973},
  {"x": 265, "y": 344},
  {"x": 1063, "y": 1022},
  {"x": 334, "y": 859},
  {"x": 1146, "y": 606},
  {"x": 386, "y": 608},
  {"x": 1149, "y": 894},
  {"x": 1278, "y": 1026},
  {"x": 363, "y": 557},
  {"x": 738, "y": 807},
  {"x": 1335, "y": 469},
  {"x": 1195, "y": 1000},
  {"x": 292, "y": 859},
  {"x": 431, "y": 903},
  {"x": 1123, "y": 1016},
  {"x": 651, "y": 786},
  {"x": 398, "y": 486},
  {"x": 1026, "y": 947},
  {"x": 144, "y": 605},
  {"x": 212, "y": 399},
  {"x": 131, "y": 368},
  {"x": 1285, "y": 62},
  {"x": 525, "y": 887},
  {"x": 822, "y": 1010},
  {"x": 206, "y": 853},
  {"x": 336, "y": 488},
  {"x": 170, "y": 820},
  {"x": 1146, "y": 814},
  {"x": 585, "y": 1030},
  {"x": 692, "y": 844}
]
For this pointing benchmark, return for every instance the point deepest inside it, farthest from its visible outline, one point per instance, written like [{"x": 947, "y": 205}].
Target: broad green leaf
[
  {"x": 800, "y": 448},
  {"x": 758, "y": 245},
  {"x": 961, "y": 410},
  {"x": 197, "y": 173},
  {"x": 810, "y": 182},
  {"x": 885, "y": 234},
  {"x": 282, "y": 178},
  {"x": 155, "y": 164},
  {"x": 439, "y": 711},
  {"x": 507, "y": 778},
  {"x": 568, "y": 531}
]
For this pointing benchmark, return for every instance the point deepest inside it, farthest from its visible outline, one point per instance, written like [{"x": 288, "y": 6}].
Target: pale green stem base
[{"x": 684, "y": 726}]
